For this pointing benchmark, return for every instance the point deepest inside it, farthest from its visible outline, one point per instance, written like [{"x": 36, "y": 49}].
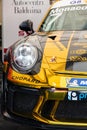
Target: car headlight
[{"x": 24, "y": 57}]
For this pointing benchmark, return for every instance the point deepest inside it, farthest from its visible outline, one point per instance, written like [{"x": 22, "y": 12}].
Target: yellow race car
[{"x": 45, "y": 73}]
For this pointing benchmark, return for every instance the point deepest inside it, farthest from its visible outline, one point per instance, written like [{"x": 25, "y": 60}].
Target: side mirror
[{"x": 27, "y": 26}]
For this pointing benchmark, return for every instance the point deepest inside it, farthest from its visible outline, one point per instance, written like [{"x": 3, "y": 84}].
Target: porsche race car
[{"x": 45, "y": 73}]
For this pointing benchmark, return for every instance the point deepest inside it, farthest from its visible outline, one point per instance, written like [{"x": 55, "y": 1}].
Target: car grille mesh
[
  {"x": 47, "y": 108},
  {"x": 21, "y": 102},
  {"x": 24, "y": 103},
  {"x": 71, "y": 111}
]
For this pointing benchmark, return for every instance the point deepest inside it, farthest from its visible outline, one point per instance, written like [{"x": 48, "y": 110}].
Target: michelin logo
[
  {"x": 75, "y": 82},
  {"x": 77, "y": 96}
]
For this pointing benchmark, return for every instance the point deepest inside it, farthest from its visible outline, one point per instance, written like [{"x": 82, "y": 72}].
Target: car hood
[
  {"x": 62, "y": 60},
  {"x": 65, "y": 51}
]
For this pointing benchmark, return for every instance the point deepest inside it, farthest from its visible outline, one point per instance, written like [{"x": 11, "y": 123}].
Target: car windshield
[{"x": 68, "y": 18}]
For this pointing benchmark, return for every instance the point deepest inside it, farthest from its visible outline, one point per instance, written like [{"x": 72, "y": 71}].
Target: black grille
[
  {"x": 21, "y": 101},
  {"x": 24, "y": 103},
  {"x": 72, "y": 111},
  {"x": 47, "y": 108}
]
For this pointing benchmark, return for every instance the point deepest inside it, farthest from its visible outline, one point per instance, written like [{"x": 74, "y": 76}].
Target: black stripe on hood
[{"x": 77, "y": 54}]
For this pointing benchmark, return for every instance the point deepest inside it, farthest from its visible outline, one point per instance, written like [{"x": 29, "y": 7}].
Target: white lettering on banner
[
  {"x": 83, "y": 83},
  {"x": 61, "y": 10}
]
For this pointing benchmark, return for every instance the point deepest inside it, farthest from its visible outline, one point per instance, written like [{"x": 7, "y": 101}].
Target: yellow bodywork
[
  {"x": 46, "y": 77},
  {"x": 49, "y": 76},
  {"x": 52, "y": 71},
  {"x": 63, "y": 52}
]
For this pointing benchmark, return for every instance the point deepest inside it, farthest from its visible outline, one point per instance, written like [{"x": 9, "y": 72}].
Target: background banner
[{"x": 17, "y": 11}]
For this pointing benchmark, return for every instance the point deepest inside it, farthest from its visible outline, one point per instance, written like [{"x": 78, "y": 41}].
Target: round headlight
[{"x": 24, "y": 57}]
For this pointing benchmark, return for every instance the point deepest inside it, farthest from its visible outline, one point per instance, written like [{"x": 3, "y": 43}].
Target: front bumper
[{"x": 43, "y": 108}]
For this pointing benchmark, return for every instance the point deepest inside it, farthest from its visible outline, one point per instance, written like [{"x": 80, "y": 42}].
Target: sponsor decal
[
  {"x": 78, "y": 58},
  {"x": 77, "y": 95},
  {"x": 25, "y": 79},
  {"x": 66, "y": 9},
  {"x": 75, "y": 82},
  {"x": 78, "y": 51},
  {"x": 75, "y": 1}
]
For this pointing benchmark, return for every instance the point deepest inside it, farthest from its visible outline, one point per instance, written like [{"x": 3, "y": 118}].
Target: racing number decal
[{"x": 78, "y": 49}]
